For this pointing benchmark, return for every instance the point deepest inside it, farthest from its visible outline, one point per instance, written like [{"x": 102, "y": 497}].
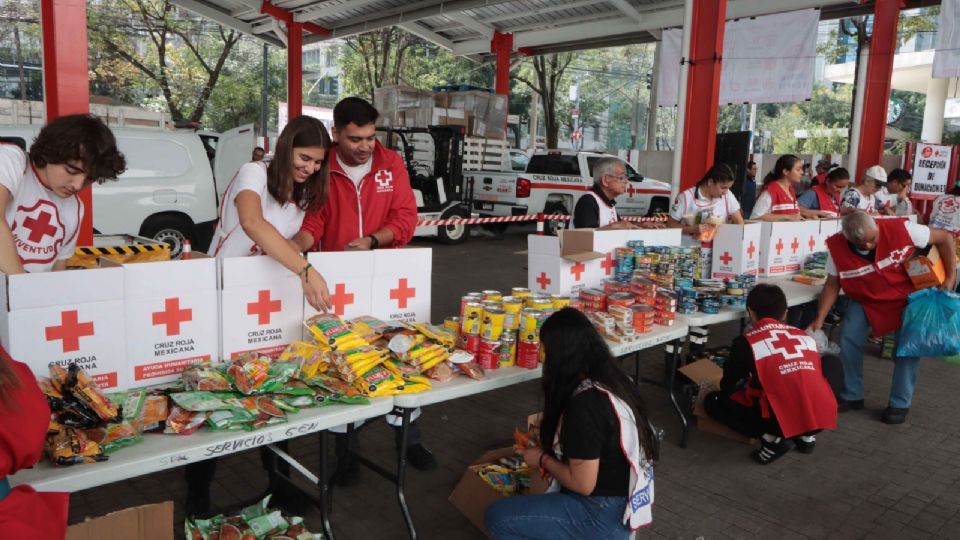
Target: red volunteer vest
[
  {"x": 782, "y": 202},
  {"x": 827, "y": 203},
  {"x": 881, "y": 286},
  {"x": 791, "y": 379}
]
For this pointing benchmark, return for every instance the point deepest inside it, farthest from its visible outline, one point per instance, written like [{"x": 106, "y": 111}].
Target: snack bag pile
[{"x": 256, "y": 522}]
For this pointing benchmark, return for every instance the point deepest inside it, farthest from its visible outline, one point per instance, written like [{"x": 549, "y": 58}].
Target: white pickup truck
[{"x": 553, "y": 182}]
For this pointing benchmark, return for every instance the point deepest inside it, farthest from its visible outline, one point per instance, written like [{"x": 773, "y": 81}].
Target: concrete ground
[{"x": 865, "y": 480}]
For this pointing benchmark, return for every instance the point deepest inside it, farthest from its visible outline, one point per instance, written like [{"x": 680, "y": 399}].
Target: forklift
[{"x": 438, "y": 183}]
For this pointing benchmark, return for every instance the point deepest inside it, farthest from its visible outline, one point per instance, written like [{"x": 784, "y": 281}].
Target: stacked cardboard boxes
[{"x": 481, "y": 113}]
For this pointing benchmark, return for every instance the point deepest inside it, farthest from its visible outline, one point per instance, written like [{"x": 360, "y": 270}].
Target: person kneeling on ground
[
  {"x": 775, "y": 386},
  {"x": 596, "y": 444}
]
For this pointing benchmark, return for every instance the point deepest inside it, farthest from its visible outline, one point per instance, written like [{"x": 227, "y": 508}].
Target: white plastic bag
[{"x": 824, "y": 345}]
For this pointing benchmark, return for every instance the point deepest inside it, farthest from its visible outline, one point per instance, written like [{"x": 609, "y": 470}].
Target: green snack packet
[
  {"x": 229, "y": 419},
  {"x": 199, "y": 401},
  {"x": 270, "y": 523}
]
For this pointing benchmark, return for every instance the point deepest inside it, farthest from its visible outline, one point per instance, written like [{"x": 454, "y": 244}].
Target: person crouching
[{"x": 775, "y": 385}]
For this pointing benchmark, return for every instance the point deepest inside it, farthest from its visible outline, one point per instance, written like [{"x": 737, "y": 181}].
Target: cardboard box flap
[
  {"x": 543, "y": 245},
  {"x": 151, "y": 279},
  {"x": 577, "y": 245},
  {"x": 703, "y": 372},
  {"x": 387, "y": 261},
  {"x": 148, "y": 522},
  {"x": 50, "y": 289},
  {"x": 352, "y": 263},
  {"x": 240, "y": 272}
]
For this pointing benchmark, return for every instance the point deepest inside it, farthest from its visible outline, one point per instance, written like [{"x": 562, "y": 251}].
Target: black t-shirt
[
  {"x": 586, "y": 214},
  {"x": 591, "y": 430}
]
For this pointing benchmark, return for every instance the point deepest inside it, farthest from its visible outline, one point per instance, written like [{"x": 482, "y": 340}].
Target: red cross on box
[
  {"x": 40, "y": 227},
  {"x": 779, "y": 245},
  {"x": 543, "y": 280},
  {"x": 263, "y": 308},
  {"x": 750, "y": 249},
  {"x": 70, "y": 331},
  {"x": 172, "y": 316},
  {"x": 340, "y": 299},
  {"x": 402, "y": 293},
  {"x": 812, "y": 243},
  {"x": 785, "y": 343},
  {"x": 607, "y": 264},
  {"x": 726, "y": 258},
  {"x": 577, "y": 270},
  {"x": 795, "y": 245}
]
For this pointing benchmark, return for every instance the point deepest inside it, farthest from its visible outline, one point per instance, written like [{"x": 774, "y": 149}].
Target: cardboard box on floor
[
  {"x": 708, "y": 375},
  {"x": 582, "y": 258},
  {"x": 472, "y": 495},
  {"x": 148, "y": 522}
]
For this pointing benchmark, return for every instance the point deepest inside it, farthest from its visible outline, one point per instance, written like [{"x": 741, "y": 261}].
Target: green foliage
[{"x": 236, "y": 100}]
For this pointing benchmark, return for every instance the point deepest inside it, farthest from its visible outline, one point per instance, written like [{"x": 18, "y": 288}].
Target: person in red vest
[
  {"x": 370, "y": 206},
  {"x": 866, "y": 262},
  {"x": 24, "y": 416},
  {"x": 825, "y": 195},
  {"x": 775, "y": 385},
  {"x": 778, "y": 198}
]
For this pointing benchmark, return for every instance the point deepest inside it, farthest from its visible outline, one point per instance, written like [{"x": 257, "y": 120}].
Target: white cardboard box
[
  {"x": 736, "y": 250},
  {"x": 261, "y": 306},
  {"x": 780, "y": 248},
  {"x": 828, "y": 228},
  {"x": 389, "y": 284},
  {"x": 172, "y": 317},
  {"x": 67, "y": 317},
  {"x": 809, "y": 235},
  {"x": 582, "y": 258}
]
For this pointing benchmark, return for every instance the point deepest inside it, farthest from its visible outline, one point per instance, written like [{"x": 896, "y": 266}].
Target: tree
[
  {"x": 236, "y": 100},
  {"x": 19, "y": 27},
  {"x": 548, "y": 77},
  {"x": 184, "y": 56}
]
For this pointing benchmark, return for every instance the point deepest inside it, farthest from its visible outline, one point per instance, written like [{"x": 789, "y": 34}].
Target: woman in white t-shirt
[
  {"x": 264, "y": 205},
  {"x": 698, "y": 210}
]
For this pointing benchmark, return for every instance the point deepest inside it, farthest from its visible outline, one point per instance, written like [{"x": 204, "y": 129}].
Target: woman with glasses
[{"x": 698, "y": 210}]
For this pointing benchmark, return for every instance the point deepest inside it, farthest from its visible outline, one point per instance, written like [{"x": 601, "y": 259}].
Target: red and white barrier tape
[{"x": 516, "y": 219}]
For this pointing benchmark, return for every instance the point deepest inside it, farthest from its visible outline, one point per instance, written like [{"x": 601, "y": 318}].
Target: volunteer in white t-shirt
[
  {"x": 263, "y": 206},
  {"x": 864, "y": 196},
  {"x": 894, "y": 199},
  {"x": 698, "y": 210},
  {"x": 38, "y": 192}
]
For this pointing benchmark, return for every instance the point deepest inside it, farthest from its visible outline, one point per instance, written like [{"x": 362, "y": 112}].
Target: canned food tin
[
  {"x": 492, "y": 325},
  {"x": 530, "y": 322},
  {"x": 472, "y": 315},
  {"x": 512, "y": 306},
  {"x": 488, "y": 355},
  {"x": 520, "y": 292},
  {"x": 467, "y": 299},
  {"x": 470, "y": 343},
  {"x": 620, "y": 299},
  {"x": 539, "y": 301},
  {"x": 492, "y": 295},
  {"x": 507, "y": 354},
  {"x": 528, "y": 354},
  {"x": 452, "y": 324},
  {"x": 559, "y": 301}
]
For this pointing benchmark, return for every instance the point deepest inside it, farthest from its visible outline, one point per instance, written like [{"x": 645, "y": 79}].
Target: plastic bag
[
  {"x": 824, "y": 345},
  {"x": 931, "y": 324}
]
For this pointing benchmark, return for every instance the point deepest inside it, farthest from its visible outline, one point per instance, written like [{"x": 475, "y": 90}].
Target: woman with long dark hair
[
  {"x": 596, "y": 445},
  {"x": 264, "y": 205},
  {"x": 778, "y": 199},
  {"x": 698, "y": 210},
  {"x": 24, "y": 417}
]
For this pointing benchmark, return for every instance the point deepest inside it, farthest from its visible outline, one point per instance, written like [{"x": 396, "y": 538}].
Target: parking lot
[{"x": 865, "y": 480}]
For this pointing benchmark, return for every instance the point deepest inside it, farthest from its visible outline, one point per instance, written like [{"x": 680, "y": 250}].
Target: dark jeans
[{"x": 749, "y": 421}]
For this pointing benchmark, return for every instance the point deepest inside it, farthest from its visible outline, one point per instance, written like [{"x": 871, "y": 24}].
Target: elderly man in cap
[
  {"x": 866, "y": 262},
  {"x": 864, "y": 196}
]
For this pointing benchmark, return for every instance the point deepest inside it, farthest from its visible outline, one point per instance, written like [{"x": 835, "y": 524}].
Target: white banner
[
  {"x": 768, "y": 59},
  {"x": 946, "y": 59},
  {"x": 931, "y": 169}
]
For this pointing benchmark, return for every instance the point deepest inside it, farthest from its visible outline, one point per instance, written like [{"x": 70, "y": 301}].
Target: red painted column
[
  {"x": 502, "y": 46},
  {"x": 294, "y": 70},
  {"x": 883, "y": 45},
  {"x": 703, "y": 89},
  {"x": 65, "y": 80}
]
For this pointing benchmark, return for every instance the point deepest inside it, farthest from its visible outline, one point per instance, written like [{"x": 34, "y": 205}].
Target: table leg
[
  {"x": 698, "y": 337},
  {"x": 673, "y": 361},
  {"x": 323, "y": 484},
  {"x": 402, "y": 471},
  {"x": 636, "y": 368}
]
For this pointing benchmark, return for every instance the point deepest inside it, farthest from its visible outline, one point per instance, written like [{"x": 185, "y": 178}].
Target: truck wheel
[
  {"x": 453, "y": 234},
  {"x": 659, "y": 205},
  {"x": 171, "y": 230},
  {"x": 553, "y": 226}
]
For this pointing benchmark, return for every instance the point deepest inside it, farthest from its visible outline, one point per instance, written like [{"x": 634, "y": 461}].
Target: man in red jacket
[{"x": 370, "y": 206}]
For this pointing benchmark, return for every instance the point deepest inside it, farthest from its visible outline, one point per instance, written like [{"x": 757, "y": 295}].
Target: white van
[{"x": 173, "y": 182}]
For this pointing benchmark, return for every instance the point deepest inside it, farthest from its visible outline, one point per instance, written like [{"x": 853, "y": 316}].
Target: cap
[{"x": 876, "y": 172}]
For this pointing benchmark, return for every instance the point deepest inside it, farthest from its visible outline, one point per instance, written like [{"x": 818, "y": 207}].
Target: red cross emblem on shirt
[
  {"x": 340, "y": 298},
  {"x": 264, "y": 308},
  {"x": 172, "y": 316},
  {"x": 750, "y": 249},
  {"x": 607, "y": 264},
  {"x": 70, "y": 331},
  {"x": 384, "y": 180},
  {"x": 795, "y": 245},
  {"x": 402, "y": 293},
  {"x": 812, "y": 242},
  {"x": 543, "y": 280},
  {"x": 726, "y": 258},
  {"x": 779, "y": 245},
  {"x": 39, "y": 227},
  {"x": 577, "y": 270},
  {"x": 785, "y": 344}
]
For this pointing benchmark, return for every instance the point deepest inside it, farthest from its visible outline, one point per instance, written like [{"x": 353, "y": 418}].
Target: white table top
[
  {"x": 797, "y": 293},
  {"x": 657, "y": 336},
  {"x": 161, "y": 452}
]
